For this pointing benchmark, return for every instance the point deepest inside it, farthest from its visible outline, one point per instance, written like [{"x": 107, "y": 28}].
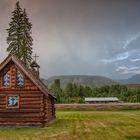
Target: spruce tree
[
  {"x": 15, "y": 31},
  {"x": 19, "y": 35},
  {"x": 56, "y": 89},
  {"x": 27, "y": 40}
]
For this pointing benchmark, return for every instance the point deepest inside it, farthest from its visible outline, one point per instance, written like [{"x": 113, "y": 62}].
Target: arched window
[
  {"x": 20, "y": 79},
  {"x": 6, "y": 79}
]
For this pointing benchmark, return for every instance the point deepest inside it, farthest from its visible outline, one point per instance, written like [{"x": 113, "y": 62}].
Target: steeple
[{"x": 34, "y": 66}]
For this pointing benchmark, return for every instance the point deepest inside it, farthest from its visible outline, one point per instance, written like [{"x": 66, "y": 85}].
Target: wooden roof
[{"x": 27, "y": 72}]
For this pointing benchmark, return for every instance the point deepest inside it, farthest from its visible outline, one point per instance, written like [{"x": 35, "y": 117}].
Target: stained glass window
[
  {"x": 13, "y": 101},
  {"x": 20, "y": 79},
  {"x": 6, "y": 79}
]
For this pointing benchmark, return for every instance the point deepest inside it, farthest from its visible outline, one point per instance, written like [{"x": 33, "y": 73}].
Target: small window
[
  {"x": 20, "y": 79},
  {"x": 12, "y": 101},
  {"x": 6, "y": 79}
]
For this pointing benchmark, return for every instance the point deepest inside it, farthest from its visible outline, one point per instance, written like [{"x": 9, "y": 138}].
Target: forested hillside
[{"x": 75, "y": 93}]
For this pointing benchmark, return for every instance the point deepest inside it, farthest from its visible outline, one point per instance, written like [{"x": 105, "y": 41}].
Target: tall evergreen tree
[
  {"x": 19, "y": 35},
  {"x": 15, "y": 31},
  {"x": 56, "y": 88},
  {"x": 27, "y": 40}
]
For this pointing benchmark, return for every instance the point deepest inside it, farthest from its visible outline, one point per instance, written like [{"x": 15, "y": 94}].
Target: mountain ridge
[
  {"x": 135, "y": 79},
  {"x": 86, "y": 80}
]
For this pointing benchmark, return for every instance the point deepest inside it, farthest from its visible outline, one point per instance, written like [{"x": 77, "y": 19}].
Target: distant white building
[{"x": 101, "y": 100}]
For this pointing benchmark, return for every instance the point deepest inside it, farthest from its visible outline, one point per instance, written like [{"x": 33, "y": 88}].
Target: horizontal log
[
  {"x": 21, "y": 124},
  {"x": 2, "y": 95},
  {"x": 3, "y": 102},
  {"x": 20, "y": 119},
  {"x": 3, "y": 99},
  {"x": 30, "y": 102},
  {"x": 30, "y": 85},
  {"x": 26, "y": 107},
  {"x": 20, "y": 115},
  {"x": 27, "y": 110},
  {"x": 30, "y": 88},
  {"x": 31, "y": 95},
  {"x": 23, "y": 94},
  {"x": 29, "y": 99},
  {"x": 24, "y": 103},
  {"x": 48, "y": 108},
  {"x": 2, "y": 106},
  {"x": 30, "y": 106},
  {"x": 23, "y": 91}
]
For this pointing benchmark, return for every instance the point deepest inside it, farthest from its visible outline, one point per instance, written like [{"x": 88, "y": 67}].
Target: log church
[{"x": 24, "y": 100}]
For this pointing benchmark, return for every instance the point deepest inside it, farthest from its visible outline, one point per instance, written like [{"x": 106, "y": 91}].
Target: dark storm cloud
[{"x": 81, "y": 36}]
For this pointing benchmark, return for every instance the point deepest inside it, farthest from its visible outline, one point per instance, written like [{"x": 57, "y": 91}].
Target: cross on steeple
[{"x": 35, "y": 57}]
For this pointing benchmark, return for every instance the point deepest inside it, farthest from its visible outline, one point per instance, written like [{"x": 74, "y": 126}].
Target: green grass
[{"x": 82, "y": 125}]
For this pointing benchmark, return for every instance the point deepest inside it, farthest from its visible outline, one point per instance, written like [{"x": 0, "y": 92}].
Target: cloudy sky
[{"x": 90, "y": 37}]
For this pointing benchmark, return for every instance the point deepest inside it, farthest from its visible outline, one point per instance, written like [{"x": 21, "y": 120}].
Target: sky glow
[{"x": 90, "y": 37}]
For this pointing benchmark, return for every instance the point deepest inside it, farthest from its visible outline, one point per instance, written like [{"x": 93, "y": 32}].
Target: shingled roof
[{"x": 27, "y": 72}]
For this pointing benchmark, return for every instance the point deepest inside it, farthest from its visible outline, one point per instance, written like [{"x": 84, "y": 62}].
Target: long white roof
[{"x": 102, "y": 99}]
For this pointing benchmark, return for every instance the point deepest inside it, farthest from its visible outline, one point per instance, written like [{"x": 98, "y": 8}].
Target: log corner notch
[{"x": 24, "y": 100}]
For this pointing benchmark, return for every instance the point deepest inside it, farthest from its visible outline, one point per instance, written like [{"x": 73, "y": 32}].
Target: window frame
[
  {"x": 14, "y": 107},
  {"x": 23, "y": 79},
  {"x": 2, "y": 79}
]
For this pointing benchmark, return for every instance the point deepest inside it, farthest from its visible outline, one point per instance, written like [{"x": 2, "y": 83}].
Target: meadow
[{"x": 82, "y": 125}]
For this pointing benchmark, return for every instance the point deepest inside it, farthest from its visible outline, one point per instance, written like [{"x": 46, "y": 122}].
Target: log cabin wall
[
  {"x": 50, "y": 110},
  {"x": 35, "y": 108},
  {"x": 28, "y": 113},
  {"x": 28, "y": 85}
]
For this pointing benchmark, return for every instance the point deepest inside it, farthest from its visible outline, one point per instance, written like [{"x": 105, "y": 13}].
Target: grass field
[{"x": 82, "y": 125}]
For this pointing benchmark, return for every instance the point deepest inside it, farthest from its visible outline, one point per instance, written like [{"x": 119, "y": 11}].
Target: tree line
[{"x": 75, "y": 93}]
